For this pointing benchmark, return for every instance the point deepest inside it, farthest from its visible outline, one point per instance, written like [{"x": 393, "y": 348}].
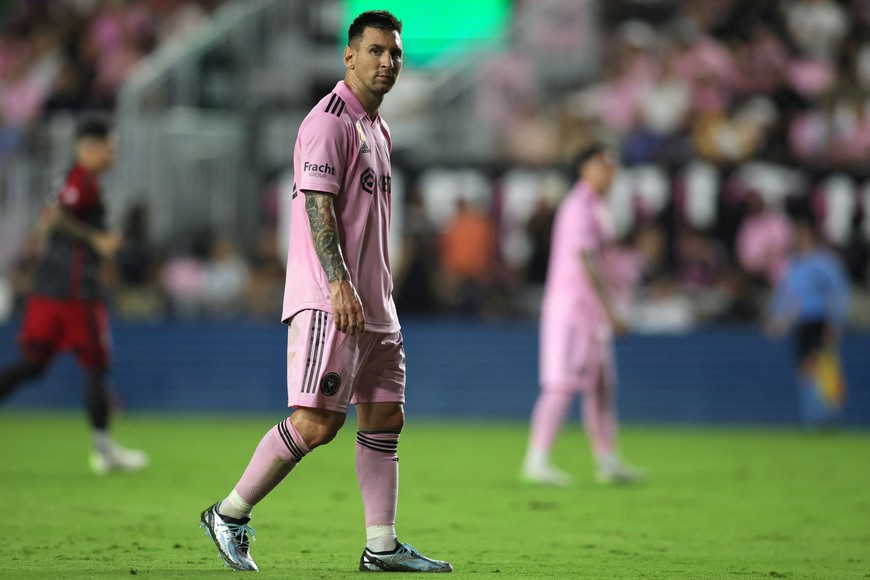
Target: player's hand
[
  {"x": 106, "y": 244},
  {"x": 346, "y": 308}
]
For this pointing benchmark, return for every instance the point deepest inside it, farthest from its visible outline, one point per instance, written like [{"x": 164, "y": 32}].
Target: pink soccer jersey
[
  {"x": 582, "y": 225},
  {"x": 339, "y": 150}
]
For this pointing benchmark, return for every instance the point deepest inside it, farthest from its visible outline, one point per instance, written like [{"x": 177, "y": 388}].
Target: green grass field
[{"x": 720, "y": 503}]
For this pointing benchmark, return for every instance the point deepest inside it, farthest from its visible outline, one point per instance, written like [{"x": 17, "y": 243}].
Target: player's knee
[
  {"x": 321, "y": 434},
  {"x": 317, "y": 427},
  {"x": 395, "y": 419},
  {"x": 381, "y": 416}
]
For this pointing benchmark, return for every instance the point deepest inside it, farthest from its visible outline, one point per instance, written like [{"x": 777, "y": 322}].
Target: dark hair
[
  {"x": 583, "y": 157},
  {"x": 380, "y": 19},
  {"x": 93, "y": 128}
]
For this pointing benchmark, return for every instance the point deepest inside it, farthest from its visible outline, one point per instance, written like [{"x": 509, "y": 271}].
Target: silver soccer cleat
[
  {"x": 404, "y": 559},
  {"x": 231, "y": 538}
]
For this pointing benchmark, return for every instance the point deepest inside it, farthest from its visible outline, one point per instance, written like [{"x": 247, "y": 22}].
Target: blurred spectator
[
  {"x": 816, "y": 26},
  {"x": 764, "y": 240},
  {"x": 664, "y": 112},
  {"x": 662, "y": 308},
  {"x": 700, "y": 260},
  {"x": 226, "y": 279},
  {"x": 659, "y": 306},
  {"x": 701, "y": 268},
  {"x": 532, "y": 137},
  {"x": 539, "y": 229},
  {"x": 265, "y": 290},
  {"x": 139, "y": 295},
  {"x": 416, "y": 275},
  {"x": 467, "y": 246},
  {"x": 183, "y": 277},
  {"x": 764, "y": 60},
  {"x": 507, "y": 81}
]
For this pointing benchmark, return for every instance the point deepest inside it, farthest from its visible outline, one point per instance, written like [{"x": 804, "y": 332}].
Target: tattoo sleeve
[{"x": 324, "y": 232}]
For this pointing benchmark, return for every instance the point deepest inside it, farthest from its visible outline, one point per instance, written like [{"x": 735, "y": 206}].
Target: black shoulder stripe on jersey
[{"x": 335, "y": 106}]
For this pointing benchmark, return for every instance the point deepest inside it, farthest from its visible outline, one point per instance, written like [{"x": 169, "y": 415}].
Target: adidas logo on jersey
[{"x": 364, "y": 148}]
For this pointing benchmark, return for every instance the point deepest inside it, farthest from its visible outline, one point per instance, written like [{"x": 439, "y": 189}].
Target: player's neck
[
  {"x": 595, "y": 187},
  {"x": 370, "y": 102}
]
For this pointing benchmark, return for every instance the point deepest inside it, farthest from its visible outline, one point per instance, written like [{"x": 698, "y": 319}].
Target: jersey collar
[{"x": 343, "y": 91}]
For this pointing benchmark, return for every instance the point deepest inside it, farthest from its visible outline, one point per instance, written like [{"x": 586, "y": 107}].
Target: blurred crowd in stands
[
  {"x": 73, "y": 55},
  {"x": 730, "y": 117}
]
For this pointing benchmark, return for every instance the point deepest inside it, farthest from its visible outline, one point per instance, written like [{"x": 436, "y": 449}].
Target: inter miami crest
[{"x": 330, "y": 383}]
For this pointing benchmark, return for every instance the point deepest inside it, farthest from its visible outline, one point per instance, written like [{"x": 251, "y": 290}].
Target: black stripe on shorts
[{"x": 316, "y": 348}]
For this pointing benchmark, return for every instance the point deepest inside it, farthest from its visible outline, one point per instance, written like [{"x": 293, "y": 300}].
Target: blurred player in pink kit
[
  {"x": 580, "y": 316},
  {"x": 344, "y": 345}
]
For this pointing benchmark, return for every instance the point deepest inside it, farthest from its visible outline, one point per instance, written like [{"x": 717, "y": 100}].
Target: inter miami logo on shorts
[{"x": 330, "y": 383}]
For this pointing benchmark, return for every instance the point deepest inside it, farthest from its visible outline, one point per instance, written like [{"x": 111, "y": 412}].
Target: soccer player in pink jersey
[
  {"x": 578, "y": 321},
  {"x": 344, "y": 345}
]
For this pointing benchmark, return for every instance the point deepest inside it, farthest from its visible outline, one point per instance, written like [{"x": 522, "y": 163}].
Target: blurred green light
[{"x": 433, "y": 32}]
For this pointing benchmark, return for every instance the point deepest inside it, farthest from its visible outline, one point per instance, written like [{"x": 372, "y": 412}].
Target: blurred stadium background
[{"x": 712, "y": 105}]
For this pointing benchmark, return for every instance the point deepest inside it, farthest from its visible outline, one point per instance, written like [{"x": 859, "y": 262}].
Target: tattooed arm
[{"x": 346, "y": 305}]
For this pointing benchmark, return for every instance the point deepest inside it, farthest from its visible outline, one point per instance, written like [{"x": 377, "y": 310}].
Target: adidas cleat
[
  {"x": 231, "y": 538},
  {"x": 403, "y": 559}
]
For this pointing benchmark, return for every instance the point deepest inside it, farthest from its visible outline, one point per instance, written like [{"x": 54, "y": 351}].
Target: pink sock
[
  {"x": 277, "y": 454},
  {"x": 547, "y": 418},
  {"x": 599, "y": 418},
  {"x": 377, "y": 470}
]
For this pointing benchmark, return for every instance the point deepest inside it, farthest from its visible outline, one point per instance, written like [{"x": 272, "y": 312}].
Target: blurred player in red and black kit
[{"x": 65, "y": 310}]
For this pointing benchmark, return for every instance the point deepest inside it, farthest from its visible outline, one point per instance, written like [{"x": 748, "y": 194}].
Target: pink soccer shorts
[{"x": 327, "y": 369}]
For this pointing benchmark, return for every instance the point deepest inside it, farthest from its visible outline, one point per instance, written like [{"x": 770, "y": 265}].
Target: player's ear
[{"x": 349, "y": 55}]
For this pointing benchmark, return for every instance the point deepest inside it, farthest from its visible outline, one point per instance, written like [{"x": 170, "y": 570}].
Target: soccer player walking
[
  {"x": 344, "y": 345},
  {"x": 65, "y": 310},
  {"x": 578, "y": 322}
]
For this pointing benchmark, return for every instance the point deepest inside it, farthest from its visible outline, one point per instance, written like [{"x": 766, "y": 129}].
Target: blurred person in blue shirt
[{"x": 813, "y": 298}]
